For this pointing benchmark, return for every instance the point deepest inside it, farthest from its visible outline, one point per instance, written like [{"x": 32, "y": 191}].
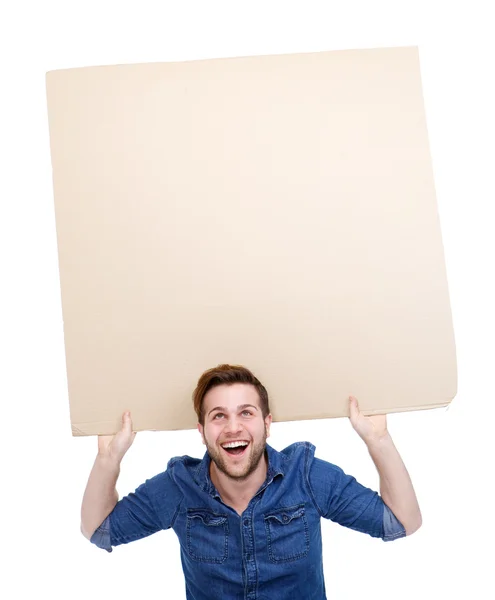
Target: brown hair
[{"x": 227, "y": 375}]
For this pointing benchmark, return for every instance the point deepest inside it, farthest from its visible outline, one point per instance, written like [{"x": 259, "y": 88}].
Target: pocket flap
[
  {"x": 206, "y": 516},
  {"x": 285, "y": 515}
]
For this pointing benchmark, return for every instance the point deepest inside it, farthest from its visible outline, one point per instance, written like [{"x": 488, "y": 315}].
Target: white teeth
[{"x": 234, "y": 444}]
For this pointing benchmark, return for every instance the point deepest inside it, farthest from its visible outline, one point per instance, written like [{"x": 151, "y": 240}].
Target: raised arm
[
  {"x": 100, "y": 496},
  {"x": 396, "y": 488}
]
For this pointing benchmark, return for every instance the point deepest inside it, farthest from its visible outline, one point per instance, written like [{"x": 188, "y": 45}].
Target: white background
[{"x": 448, "y": 452}]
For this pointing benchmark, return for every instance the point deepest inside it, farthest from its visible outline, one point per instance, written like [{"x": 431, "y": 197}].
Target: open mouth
[{"x": 235, "y": 448}]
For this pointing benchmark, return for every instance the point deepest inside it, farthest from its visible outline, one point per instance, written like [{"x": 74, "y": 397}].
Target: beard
[{"x": 256, "y": 453}]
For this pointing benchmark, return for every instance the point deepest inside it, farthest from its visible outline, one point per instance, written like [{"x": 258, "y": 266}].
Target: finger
[{"x": 103, "y": 441}]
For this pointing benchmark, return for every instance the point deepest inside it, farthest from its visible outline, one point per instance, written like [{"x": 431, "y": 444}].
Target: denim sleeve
[
  {"x": 101, "y": 537},
  {"x": 152, "y": 507},
  {"x": 392, "y": 527},
  {"x": 340, "y": 498}
]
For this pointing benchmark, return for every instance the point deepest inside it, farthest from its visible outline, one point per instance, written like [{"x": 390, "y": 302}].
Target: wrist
[
  {"x": 108, "y": 462},
  {"x": 379, "y": 442}
]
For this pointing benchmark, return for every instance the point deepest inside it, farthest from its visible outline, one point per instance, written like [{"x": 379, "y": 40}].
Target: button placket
[{"x": 248, "y": 553}]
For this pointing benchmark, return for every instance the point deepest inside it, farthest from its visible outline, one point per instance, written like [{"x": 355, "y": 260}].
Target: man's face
[{"x": 234, "y": 431}]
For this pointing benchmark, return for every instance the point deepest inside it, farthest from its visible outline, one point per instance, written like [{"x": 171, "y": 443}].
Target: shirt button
[
  {"x": 246, "y": 522},
  {"x": 285, "y": 518}
]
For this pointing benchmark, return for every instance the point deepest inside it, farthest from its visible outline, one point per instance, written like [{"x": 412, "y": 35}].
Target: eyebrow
[{"x": 240, "y": 407}]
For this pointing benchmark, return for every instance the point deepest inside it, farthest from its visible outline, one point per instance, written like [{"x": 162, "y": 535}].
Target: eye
[
  {"x": 246, "y": 413},
  {"x": 218, "y": 416}
]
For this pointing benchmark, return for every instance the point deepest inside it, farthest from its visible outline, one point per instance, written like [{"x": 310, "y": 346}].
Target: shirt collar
[{"x": 276, "y": 467}]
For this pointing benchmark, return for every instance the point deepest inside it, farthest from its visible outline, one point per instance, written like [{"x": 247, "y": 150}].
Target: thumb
[
  {"x": 353, "y": 408},
  {"x": 127, "y": 422},
  {"x": 127, "y": 427}
]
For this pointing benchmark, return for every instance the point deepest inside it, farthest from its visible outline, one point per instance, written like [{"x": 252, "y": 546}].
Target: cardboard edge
[
  {"x": 376, "y": 411},
  {"x": 182, "y": 61},
  {"x": 90, "y": 428}
]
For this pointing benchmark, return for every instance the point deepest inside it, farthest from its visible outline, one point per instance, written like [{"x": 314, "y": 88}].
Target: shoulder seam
[{"x": 306, "y": 477}]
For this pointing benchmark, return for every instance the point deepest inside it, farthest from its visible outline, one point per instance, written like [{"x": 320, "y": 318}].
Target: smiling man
[
  {"x": 248, "y": 517},
  {"x": 234, "y": 422}
]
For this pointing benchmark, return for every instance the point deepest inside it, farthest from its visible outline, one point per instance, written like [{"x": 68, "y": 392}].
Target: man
[{"x": 248, "y": 517}]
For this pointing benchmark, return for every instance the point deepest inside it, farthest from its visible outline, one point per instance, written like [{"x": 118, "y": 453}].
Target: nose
[{"x": 232, "y": 426}]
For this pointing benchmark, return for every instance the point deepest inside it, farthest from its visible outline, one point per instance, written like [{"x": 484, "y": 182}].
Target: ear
[
  {"x": 201, "y": 431},
  {"x": 268, "y": 422}
]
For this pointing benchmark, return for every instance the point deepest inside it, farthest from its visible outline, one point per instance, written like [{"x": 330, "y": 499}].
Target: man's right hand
[{"x": 115, "y": 446}]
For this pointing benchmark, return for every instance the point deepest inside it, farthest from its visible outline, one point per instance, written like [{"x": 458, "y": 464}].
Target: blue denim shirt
[{"x": 274, "y": 550}]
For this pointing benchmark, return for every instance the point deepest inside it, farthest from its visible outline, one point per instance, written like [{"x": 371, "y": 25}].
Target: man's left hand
[{"x": 370, "y": 429}]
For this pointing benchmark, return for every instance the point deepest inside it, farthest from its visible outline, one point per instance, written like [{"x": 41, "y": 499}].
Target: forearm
[
  {"x": 396, "y": 488},
  {"x": 100, "y": 496}
]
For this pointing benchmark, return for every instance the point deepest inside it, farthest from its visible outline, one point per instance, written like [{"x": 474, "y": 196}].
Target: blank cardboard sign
[{"x": 277, "y": 212}]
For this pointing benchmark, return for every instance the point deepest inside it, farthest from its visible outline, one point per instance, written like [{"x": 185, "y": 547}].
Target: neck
[{"x": 237, "y": 493}]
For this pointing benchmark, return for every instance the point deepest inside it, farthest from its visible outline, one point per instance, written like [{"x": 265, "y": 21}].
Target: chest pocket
[
  {"x": 287, "y": 533},
  {"x": 207, "y": 535}
]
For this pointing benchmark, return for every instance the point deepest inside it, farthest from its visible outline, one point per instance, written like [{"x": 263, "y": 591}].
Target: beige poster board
[{"x": 277, "y": 212}]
